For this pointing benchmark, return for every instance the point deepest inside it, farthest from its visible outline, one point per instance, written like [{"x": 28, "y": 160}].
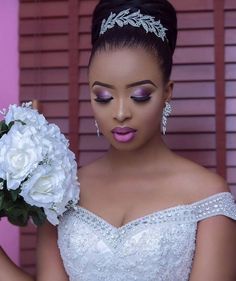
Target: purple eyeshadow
[
  {"x": 103, "y": 95},
  {"x": 141, "y": 93}
]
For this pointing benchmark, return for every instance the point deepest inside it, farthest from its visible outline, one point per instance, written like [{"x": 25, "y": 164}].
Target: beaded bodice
[{"x": 156, "y": 247}]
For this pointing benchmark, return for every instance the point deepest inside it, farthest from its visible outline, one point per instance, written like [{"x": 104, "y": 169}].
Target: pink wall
[{"x": 9, "y": 93}]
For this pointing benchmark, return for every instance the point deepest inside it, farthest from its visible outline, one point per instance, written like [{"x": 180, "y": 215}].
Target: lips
[
  {"x": 123, "y": 134},
  {"x": 123, "y": 130}
]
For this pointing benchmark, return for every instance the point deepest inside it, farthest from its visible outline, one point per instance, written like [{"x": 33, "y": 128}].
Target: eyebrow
[
  {"x": 103, "y": 85},
  {"x": 138, "y": 83}
]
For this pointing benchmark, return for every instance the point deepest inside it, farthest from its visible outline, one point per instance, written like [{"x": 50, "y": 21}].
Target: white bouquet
[{"x": 38, "y": 172}]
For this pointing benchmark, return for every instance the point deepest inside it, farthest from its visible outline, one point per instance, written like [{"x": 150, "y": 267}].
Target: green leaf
[
  {"x": 2, "y": 214},
  {"x": 3, "y": 128},
  {"x": 11, "y": 124},
  {"x": 17, "y": 216},
  {"x": 2, "y": 124},
  {"x": 2, "y": 183},
  {"x": 38, "y": 216},
  {"x": 2, "y": 195},
  {"x": 23, "y": 123},
  {"x": 18, "y": 212},
  {"x": 15, "y": 193}
]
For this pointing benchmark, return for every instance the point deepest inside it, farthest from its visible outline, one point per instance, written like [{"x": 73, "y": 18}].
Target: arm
[
  {"x": 9, "y": 271},
  {"x": 49, "y": 262},
  {"x": 215, "y": 254}
]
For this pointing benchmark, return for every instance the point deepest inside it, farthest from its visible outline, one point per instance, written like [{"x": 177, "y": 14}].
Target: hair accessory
[
  {"x": 135, "y": 19},
  {"x": 96, "y": 125},
  {"x": 166, "y": 113}
]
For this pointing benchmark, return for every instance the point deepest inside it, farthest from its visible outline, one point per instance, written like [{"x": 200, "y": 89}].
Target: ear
[{"x": 169, "y": 90}]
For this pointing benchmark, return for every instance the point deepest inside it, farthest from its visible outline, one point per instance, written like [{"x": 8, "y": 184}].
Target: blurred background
[{"x": 44, "y": 51}]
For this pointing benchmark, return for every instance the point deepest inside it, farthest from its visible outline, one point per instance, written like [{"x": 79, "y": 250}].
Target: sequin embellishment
[{"x": 156, "y": 247}]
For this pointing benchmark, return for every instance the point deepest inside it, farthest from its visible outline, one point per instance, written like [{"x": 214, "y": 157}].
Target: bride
[{"x": 145, "y": 213}]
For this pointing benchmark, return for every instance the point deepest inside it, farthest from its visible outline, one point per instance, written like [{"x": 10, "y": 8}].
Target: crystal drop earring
[
  {"x": 166, "y": 113},
  {"x": 96, "y": 125}
]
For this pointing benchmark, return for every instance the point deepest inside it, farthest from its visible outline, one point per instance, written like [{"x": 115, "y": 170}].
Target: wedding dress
[{"x": 156, "y": 247}]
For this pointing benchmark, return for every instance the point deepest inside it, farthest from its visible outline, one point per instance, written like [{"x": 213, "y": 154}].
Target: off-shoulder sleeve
[{"x": 219, "y": 204}]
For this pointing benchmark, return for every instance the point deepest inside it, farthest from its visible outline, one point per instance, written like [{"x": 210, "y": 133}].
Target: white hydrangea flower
[{"x": 26, "y": 114}]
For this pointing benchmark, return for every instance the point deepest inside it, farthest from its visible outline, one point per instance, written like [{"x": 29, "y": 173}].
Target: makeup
[
  {"x": 103, "y": 96},
  {"x": 141, "y": 94},
  {"x": 123, "y": 134}
]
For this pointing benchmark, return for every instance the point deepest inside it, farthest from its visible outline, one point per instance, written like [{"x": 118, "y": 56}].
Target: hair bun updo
[
  {"x": 130, "y": 36},
  {"x": 160, "y": 9}
]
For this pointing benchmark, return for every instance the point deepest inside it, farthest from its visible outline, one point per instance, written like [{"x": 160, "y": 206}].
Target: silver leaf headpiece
[{"x": 135, "y": 19}]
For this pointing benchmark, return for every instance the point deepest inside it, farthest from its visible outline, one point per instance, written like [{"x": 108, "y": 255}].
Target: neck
[{"x": 145, "y": 158}]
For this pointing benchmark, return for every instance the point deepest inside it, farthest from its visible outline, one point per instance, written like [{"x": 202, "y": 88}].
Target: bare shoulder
[
  {"x": 196, "y": 181},
  {"x": 215, "y": 241}
]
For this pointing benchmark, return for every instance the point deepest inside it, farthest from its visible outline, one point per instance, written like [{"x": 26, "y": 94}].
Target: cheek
[
  {"x": 149, "y": 115},
  {"x": 102, "y": 113},
  {"x": 100, "y": 110}
]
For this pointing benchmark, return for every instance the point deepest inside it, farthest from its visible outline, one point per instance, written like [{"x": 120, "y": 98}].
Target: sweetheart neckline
[
  {"x": 165, "y": 210},
  {"x": 131, "y": 221}
]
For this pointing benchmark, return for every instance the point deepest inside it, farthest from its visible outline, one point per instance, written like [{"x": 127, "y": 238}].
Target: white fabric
[{"x": 156, "y": 247}]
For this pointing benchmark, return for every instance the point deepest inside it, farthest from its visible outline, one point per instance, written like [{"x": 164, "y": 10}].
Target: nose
[{"x": 122, "y": 111}]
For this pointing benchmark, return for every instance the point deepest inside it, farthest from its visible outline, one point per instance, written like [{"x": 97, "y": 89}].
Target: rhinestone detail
[{"x": 156, "y": 247}]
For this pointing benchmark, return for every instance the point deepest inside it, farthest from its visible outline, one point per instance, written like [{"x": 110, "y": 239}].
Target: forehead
[{"x": 124, "y": 65}]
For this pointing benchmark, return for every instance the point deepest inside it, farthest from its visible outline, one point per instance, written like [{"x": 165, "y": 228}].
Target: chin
[
  {"x": 128, "y": 146},
  {"x": 124, "y": 148},
  {"x": 135, "y": 144}
]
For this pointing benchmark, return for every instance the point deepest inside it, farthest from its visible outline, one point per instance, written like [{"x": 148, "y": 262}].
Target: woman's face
[{"x": 127, "y": 90}]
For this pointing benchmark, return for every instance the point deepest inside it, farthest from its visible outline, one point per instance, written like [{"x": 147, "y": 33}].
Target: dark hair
[{"x": 129, "y": 36}]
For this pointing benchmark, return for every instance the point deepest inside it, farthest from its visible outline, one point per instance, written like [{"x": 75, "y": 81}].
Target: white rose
[
  {"x": 52, "y": 216},
  {"x": 45, "y": 187},
  {"x": 70, "y": 166},
  {"x": 71, "y": 195},
  {"x": 20, "y": 153},
  {"x": 66, "y": 160},
  {"x": 25, "y": 114},
  {"x": 36, "y": 157},
  {"x": 52, "y": 131},
  {"x": 55, "y": 145}
]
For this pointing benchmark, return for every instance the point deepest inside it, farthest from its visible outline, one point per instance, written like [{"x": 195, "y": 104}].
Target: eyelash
[
  {"x": 140, "y": 99},
  {"x": 103, "y": 100}
]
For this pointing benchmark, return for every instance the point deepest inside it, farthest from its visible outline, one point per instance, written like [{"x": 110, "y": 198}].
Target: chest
[{"x": 122, "y": 201}]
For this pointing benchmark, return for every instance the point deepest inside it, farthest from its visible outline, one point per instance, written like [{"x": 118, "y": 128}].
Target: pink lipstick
[{"x": 123, "y": 134}]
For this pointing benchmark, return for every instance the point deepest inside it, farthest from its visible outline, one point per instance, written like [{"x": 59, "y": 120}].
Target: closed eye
[
  {"x": 141, "y": 99},
  {"x": 103, "y": 100}
]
